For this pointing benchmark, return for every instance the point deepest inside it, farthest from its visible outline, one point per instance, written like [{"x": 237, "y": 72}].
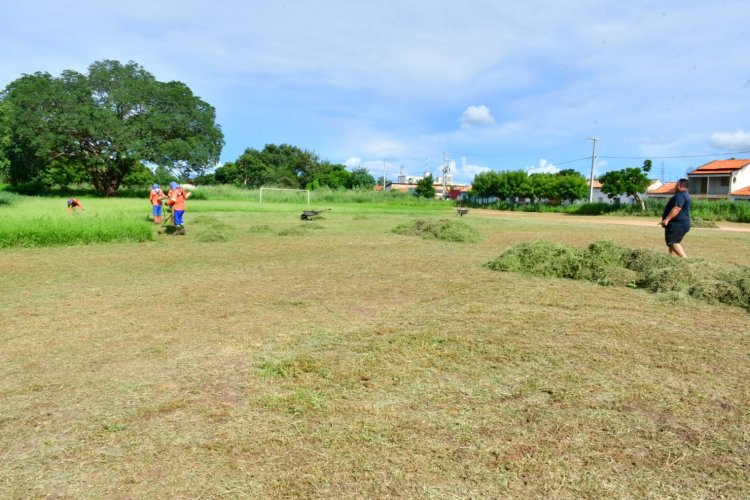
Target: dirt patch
[{"x": 597, "y": 219}]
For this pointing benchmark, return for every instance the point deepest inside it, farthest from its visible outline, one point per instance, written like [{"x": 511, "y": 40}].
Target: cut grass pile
[
  {"x": 608, "y": 264},
  {"x": 76, "y": 229},
  {"x": 443, "y": 229}
]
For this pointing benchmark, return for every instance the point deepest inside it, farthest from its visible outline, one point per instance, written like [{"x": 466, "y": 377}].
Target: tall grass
[
  {"x": 77, "y": 229},
  {"x": 722, "y": 210},
  {"x": 7, "y": 198}
]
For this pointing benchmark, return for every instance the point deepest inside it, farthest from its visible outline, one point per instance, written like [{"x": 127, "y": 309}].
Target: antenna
[{"x": 446, "y": 172}]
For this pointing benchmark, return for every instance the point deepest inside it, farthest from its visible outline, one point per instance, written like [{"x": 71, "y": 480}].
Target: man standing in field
[
  {"x": 177, "y": 197},
  {"x": 155, "y": 197},
  {"x": 676, "y": 218}
]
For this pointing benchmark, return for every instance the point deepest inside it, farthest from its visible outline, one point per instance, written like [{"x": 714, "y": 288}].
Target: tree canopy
[
  {"x": 565, "y": 185},
  {"x": 628, "y": 181},
  {"x": 289, "y": 166},
  {"x": 103, "y": 125}
]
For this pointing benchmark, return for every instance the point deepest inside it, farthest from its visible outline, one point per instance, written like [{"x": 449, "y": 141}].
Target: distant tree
[
  {"x": 5, "y": 140},
  {"x": 380, "y": 180},
  {"x": 163, "y": 176},
  {"x": 251, "y": 170},
  {"x": 629, "y": 182},
  {"x": 138, "y": 176},
  {"x": 361, "y": 179},
  {"x": 334, "y": 176},
  {"x": 570, "y": 172},
  {"x": 425, "y": 187},
  {"x": 205, "y": 180},
  {"x": 571, "y": 187},
  {"x": 486, "y": 184},
  {"x": 105, "y": 123},
  {"x": 290, "y": 166},
  {"x": 226, "y": 174}
]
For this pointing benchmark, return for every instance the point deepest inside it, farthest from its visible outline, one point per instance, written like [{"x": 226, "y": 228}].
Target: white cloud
[
  {"x": 476, "y": 115},
  {"x": 544, "y": 167},
  {"x": 384, "y": 148},
  {"x": 353, "y": 162},
  {"x": 736, "y": 141}
]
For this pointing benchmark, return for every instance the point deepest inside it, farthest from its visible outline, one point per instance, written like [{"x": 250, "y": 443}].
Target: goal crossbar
[{"x": 285, "y": 189}]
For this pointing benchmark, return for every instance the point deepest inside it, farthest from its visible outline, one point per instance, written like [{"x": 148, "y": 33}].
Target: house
[
  {"x": 719, "y": 179},
  {"x": 742, "y": 194},
  {"x": 661, "y": 190},
  {"x": 600, "y": 197}
]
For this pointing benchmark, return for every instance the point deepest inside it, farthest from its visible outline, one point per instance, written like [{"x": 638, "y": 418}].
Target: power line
[{"x": 673, "y": 157}]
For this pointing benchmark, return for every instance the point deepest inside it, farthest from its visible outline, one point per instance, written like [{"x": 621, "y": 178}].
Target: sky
[{"x": 413, "y": 85}]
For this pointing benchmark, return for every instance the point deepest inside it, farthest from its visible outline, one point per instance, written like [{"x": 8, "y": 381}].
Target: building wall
[{"x": 741, "y": 178}]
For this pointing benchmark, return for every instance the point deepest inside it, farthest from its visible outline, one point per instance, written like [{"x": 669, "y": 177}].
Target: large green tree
[
  {"x": 628, "y": 181},
  {"x": 105, "y": 123}
]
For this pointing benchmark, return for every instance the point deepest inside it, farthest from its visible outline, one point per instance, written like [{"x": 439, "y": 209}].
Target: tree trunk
[{"x": 640, "y": 201}]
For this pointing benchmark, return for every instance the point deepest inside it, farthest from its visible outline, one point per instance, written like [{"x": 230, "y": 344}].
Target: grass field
[{"x": 260, "y": 356}]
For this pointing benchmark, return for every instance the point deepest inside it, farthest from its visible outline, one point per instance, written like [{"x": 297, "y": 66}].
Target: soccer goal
[{"x": 285, "y": 189}]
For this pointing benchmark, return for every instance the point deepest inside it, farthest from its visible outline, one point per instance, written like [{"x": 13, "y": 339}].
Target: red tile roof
[
  {"x": 720, "y": 167},
  {"x": 667, "y": 188},
  {"x": 745, "y": 191}
]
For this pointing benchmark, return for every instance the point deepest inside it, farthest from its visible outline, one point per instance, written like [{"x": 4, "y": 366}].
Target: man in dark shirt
[{"x": 676, "y": 218}]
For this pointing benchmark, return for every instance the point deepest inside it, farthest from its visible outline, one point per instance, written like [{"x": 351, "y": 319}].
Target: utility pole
[
  {"x": 591, "y": 177},
  {"x": 446, "y": 171}
]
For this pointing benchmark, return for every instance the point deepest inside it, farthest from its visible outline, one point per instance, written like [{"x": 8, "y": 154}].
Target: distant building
[
  {"x": 720, "y": 180},
  {"x": 661, "y": 190}
]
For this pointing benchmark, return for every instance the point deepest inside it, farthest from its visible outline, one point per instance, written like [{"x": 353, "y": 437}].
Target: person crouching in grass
[{"x": 74, "y": 204}]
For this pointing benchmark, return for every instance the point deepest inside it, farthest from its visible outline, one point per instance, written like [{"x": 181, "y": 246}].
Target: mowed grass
[{"x": 336, "y": 358}]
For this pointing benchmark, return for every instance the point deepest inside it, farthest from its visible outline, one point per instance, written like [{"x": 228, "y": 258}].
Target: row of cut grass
[{"x": 605, "y": 263}]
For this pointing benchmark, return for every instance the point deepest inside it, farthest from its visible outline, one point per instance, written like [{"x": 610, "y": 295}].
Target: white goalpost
[{"x": 285, "y": 189}]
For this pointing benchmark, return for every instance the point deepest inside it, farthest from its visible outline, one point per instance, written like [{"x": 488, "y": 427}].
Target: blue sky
[{"x": 404, "y": 84}]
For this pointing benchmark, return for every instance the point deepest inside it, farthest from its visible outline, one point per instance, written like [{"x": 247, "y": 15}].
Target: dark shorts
[{"x": 674, "y": 232}]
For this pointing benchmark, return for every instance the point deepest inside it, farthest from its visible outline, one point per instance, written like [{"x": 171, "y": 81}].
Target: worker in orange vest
[
  {"x": 177, "y": 197},
  {"x": 156, "y": 196},
  {"x": 75, "y": 204}
]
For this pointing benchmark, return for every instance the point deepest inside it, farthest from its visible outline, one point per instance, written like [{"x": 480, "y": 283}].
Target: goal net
[{"x": 284, "y": 194}]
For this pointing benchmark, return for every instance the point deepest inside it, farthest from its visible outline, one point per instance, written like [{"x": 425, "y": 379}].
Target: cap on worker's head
[
  {"x": 155, "y": 186},
  {"x": 173, "y": 184},
  {"x": 70, "y": 201}
]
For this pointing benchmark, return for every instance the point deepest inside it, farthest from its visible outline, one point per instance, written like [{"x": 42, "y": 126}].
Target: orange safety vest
[
  {"x": 156, "y": 196},
  {"x": 178, "y": 197}
]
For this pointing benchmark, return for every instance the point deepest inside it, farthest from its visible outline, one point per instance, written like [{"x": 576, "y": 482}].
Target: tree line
[
  {"x": 118, "y": 125},
  {"x": 287, "y": 166},
  {"x": 566, "y": 185}
]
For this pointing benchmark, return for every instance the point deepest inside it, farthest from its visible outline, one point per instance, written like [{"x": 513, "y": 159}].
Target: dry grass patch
[{"x": 304, "y": 367}]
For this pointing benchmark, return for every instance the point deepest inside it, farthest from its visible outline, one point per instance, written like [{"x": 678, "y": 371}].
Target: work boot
[{"x": 180, "y": 230}]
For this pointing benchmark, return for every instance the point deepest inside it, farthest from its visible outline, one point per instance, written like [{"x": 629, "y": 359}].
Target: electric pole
[{"x": 591, "y": 177}]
